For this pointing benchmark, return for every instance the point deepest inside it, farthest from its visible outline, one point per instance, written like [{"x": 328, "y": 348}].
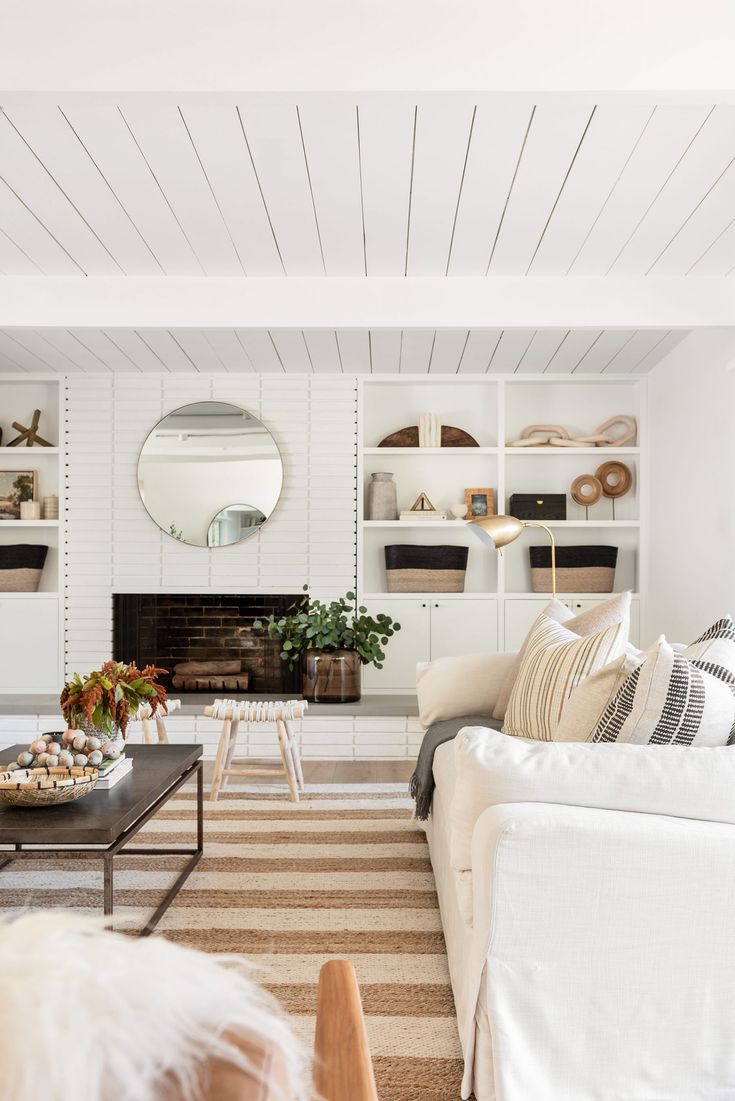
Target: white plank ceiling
[
  {"x": 323, "y": 351},
  {"x": 378, "y": 186}
]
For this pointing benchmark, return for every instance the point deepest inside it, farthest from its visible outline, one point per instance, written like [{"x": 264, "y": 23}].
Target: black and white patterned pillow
[{"x": 685, "y": 698}]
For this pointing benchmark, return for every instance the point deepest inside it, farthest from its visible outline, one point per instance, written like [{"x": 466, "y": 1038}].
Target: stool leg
[
  {"x": 295, "y": 753},
  {"x": 219, "y": 763},
  {"x": 146, "y": 724},
  {"x": 287, "y": 758},
  {"x": 161, "y": 729},
  {"x": 231, "y": 745}
]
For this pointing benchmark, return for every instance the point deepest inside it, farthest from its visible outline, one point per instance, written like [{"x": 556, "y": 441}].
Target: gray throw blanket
[{"x": 421, "y": 784}]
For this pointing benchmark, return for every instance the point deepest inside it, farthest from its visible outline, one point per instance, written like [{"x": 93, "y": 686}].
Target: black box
[{"x": 539, "y": 506}]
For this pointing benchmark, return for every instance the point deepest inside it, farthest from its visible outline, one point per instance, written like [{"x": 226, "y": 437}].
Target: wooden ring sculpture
[
  {"x": 586, "y": 490},
  {"x": 539, "y": 435},
  {"x": 615, "y": 477},
  {"x": 627, "y": 438}
]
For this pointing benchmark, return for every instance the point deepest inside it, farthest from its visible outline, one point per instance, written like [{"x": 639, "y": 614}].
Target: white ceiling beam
[
  {"x": 289, "y": 44},
  {"x": 349, "y": 302}
]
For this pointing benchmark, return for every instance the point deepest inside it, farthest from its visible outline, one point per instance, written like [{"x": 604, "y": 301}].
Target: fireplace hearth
[{"x": 210, "y": 637}]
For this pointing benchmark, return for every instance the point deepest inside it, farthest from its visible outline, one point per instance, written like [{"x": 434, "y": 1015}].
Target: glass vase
[{"x": 331, "y": 676}]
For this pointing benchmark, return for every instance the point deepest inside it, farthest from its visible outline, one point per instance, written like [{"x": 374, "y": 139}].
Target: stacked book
[{"x": 111, "y": 772}]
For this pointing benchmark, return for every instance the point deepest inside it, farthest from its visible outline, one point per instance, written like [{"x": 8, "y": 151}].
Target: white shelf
[
  {"x": 29, "y": 524},
  {"x": 576, "y": 596},
  {"x": 611, "y": 450},
  {"x": 430, "y": 596},
  {"x": 22, "y": 450},
  {"x": 396, "y": 524},
  {"x": 431, "y": 450},
  {"x": 33, "y": 596}
]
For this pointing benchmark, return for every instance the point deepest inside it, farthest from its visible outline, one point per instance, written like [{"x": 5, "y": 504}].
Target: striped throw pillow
[
  {"x": 677, "y": 698},
  {"x": 555, "y": 662}
]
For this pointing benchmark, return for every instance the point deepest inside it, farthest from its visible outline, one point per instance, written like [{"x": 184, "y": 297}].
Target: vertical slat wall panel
[{"x": 114, "y": 546}]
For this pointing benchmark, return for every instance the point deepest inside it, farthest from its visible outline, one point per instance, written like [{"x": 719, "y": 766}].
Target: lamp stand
[{"x": 536, "y": 524}]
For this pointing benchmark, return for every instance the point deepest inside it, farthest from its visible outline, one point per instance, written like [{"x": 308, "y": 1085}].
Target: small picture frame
[
  {"x": 479, "y": 502},
  {"x": 16, "y": 486}
]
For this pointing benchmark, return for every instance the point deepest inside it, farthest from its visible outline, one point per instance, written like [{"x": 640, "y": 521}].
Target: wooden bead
[
  {"x": 615, "y": 477},
  {"x": 586, "y": 490}
]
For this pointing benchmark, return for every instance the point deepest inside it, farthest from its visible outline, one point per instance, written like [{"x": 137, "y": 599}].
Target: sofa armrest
[
  {"x": 469, "y": 684},
  {"x": 606, "y": 938}
]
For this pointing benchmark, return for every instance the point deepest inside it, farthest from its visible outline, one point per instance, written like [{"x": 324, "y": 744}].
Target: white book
[{"x": 112, "y": 778}]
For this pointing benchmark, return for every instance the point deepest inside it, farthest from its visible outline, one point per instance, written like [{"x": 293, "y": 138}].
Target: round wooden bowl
[{"x": 46, "y": 787}]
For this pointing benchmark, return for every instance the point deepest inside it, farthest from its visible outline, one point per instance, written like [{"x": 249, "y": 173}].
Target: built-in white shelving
[
  {"x": 498, "y": 602},
  {"x": 33, "y": 623}
]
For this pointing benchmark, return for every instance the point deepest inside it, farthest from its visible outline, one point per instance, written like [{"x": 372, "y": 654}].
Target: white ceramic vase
[{"x": 382, "y": 500}]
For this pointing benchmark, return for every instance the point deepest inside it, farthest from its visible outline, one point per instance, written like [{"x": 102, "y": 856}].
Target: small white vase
[{"x": 30, "y": 510}]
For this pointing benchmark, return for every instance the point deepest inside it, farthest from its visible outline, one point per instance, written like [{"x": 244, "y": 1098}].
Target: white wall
[
  {"x": 692, "y": 408},
  {"x": 114, "y": 546}
]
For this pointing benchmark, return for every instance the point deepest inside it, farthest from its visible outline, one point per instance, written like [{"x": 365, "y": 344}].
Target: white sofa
[{"x": 591, "y": 950}]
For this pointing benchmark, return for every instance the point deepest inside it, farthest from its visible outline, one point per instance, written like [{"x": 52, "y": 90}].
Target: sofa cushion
[
  {"x": 587, "y": 703},
  {"x": 685, "y": 698},
  {"x": 590, "y": 622},
  {"x": 491, "y": 768},
  {"x": 455, "y": 686},
  {"x": 555, "y": 662}
]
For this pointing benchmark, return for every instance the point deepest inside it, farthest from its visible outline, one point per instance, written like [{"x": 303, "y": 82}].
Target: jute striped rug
[{"x": 345, "y": 873}]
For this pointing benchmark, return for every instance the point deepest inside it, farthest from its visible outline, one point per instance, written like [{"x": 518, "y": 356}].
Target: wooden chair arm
[{"x": 343, "y": 1067}]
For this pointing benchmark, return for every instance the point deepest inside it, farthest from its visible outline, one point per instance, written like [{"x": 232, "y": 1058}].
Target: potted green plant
[
  {"x": 103, "y": 701},
  {"x": 331, "y": 641}
]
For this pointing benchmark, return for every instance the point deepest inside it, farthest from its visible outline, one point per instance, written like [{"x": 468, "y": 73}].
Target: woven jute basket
[{"x": 46, "y": 787}]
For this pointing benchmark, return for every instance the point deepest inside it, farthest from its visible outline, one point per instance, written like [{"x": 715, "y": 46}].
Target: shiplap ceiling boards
[
  {"x": 379, "y": 185},
  {"x": 325, "y": 351}
]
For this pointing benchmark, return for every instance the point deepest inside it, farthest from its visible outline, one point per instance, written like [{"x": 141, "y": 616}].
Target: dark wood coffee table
[{"x": 109, "y": 819}]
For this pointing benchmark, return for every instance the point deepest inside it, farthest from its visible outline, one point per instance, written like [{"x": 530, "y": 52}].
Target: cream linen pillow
[
  {"x": 584, "y": 708},
  {"x": 615, "y": 610},
  {"x": 555, "y": 662},
  {"x": 464, "y": 685}
]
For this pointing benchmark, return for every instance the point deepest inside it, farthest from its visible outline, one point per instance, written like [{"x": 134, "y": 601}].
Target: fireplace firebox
[{"x": 210, "y": 636}]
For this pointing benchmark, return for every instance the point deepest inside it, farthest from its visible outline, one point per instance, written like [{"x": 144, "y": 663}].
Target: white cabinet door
[
  {"x": 579, "y": 606},
  {"x": 463, "y": 627},
  {"x": 404, "y": 649},
  {"x": 29, "y": 644}
]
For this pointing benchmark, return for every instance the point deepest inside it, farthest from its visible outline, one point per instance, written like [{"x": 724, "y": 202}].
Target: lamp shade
[{"x": 497, "y": 531}]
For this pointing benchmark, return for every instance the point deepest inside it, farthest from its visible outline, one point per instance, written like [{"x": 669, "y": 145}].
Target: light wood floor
[{"x": 343, "y": 772}]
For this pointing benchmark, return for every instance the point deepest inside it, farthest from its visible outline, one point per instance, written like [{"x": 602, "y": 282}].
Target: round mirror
[{"x": 210, "y": 474}]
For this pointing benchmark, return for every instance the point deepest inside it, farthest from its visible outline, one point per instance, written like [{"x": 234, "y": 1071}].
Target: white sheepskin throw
[{"x": 90, "y": 1015}]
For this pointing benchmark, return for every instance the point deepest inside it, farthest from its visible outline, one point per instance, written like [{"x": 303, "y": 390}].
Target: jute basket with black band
[
  {"x": 21, "y": 566},
  {"x": 422, "y": 569},
  {"x": 585, "y": 569}
]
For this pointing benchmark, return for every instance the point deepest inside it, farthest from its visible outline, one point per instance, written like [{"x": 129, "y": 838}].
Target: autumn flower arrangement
[{"x": 106, "y": 698}]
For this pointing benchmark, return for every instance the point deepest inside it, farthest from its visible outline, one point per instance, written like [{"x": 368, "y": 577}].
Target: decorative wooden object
[
  {"x": 488, "y": 494},
  {"x": 586, "y": 490},
  {"x": 343, "y": 1069},
  {"x": 629, "y": 435},
  {"x": 615, "y": 477},
  {"x": 279, "y": 712},
  {"x": 409, "y": 437},
  {"x": 540, "y": 435},
  {"x": 29, "y": 435}
]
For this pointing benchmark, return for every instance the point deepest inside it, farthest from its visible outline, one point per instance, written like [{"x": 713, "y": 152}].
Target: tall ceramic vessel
[{"x": 382, "y": 501}]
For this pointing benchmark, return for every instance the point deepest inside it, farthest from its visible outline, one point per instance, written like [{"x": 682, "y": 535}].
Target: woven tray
[{"x": 46, "y": 787}]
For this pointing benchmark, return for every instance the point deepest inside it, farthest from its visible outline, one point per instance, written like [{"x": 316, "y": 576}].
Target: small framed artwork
[
  {"x": 16, "y": 486},
  {"x": 479, "y": 502}
]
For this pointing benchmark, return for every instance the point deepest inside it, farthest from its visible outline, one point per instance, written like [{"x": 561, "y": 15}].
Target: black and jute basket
[
  {"x": 422, "y": 569},
  {"x": 584, "y": 569},
  {"x": 21, "y": 566}
]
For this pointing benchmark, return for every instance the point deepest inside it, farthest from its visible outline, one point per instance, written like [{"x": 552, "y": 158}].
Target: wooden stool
[
  {"x": 279, "y": 712},
  {"x": 144, "y": 715}
]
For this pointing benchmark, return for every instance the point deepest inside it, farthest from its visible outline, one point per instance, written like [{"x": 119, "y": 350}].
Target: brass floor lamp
[{"x": 499, "y": 531}]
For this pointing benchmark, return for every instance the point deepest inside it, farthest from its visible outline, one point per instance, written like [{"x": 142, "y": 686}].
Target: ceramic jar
[{"x": 382, "y": 500}]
